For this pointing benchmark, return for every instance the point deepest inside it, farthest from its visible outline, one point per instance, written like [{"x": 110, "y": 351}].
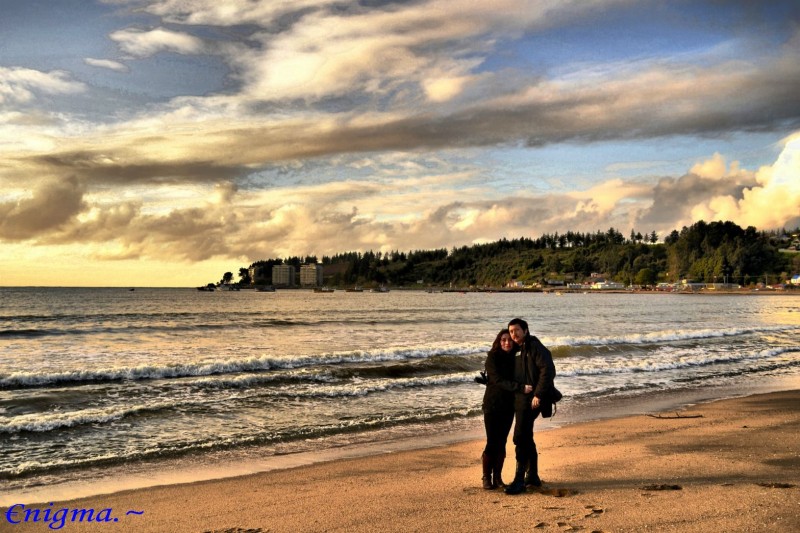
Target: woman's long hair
[{"x": 496, "y": 348}]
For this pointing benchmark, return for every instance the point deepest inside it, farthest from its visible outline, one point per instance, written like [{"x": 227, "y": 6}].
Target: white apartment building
[
  {"x": 311, "y": 275},
  {"x": 283, "y": 276}
]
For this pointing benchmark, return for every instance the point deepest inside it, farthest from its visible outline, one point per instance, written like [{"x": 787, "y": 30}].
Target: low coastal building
[
  {"x": 607, "y": 285},
  {"x": 795, "y": 279},
  {"x": 311, "y": 275},
  {"x": 283, "y": 276}
]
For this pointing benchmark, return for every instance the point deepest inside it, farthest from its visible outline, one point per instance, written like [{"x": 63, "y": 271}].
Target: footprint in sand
[
  {"x": 236, "y": 530},
  {"x": 662, "y": 486},
  {"x": 596, "y": 511},
  {"x": 573, "y": 527},
  {"x": 558, "y": 493}
]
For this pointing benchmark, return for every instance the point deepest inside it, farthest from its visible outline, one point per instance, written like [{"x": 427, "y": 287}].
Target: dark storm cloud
[{"x": 94, "y": 167}]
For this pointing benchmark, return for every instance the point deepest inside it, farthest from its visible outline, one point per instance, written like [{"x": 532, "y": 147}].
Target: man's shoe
[
  {"x": 532, "y": 481},
  {"x": 518, "y": 485}
]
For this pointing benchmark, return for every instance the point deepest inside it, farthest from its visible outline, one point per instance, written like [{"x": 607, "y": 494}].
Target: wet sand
[{"x": 735, "y": 467}]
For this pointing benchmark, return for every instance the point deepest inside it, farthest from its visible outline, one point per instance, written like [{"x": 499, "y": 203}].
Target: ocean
[{"x": 100, "y": 384}]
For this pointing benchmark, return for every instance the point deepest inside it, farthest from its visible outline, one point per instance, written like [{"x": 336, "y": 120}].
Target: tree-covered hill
[{"x": 704, "y": 252}]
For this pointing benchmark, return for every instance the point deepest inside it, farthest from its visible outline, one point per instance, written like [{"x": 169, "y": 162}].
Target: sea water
[{"x": 97, "y": 380}]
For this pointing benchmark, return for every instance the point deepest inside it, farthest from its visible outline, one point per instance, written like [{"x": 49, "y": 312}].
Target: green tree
[{"x": 645, "y": 277}]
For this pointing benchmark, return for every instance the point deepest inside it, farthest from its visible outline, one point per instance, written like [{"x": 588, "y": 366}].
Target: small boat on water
[
  {"x": 380, "y": 289},
  {"x": 265, "y": 288},
  {"x": 355, "y": 289},
  {"x": 323, "y": 289},
  {"x": 207, "y": 288}
]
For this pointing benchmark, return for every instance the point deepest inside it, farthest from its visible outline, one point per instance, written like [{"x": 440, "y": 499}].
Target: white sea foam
[
  {"x": 266, "y": 363},
  {"x": 230, "y": 366},
  {"x": 365, "y": 387},
  {"x": 656, "y": 337},
  {"x": 50, "y": 421},
  {"x": 665, "y": 359}
]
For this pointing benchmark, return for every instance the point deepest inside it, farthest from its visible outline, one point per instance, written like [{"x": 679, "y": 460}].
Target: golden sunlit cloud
[{"x": 772, "y": 203}]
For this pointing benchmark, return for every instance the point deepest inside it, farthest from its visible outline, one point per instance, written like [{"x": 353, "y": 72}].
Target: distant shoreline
[{"x": 438, "y": 290}]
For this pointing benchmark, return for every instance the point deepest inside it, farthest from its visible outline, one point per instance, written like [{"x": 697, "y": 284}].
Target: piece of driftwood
[{"x": 677, "y": 415}]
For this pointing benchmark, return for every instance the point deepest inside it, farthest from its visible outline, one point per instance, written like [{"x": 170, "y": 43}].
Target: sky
[{"x": 165, "y": 142}]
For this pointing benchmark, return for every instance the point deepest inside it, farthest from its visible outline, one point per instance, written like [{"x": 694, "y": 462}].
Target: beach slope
[{"x": 731, "y": 465}]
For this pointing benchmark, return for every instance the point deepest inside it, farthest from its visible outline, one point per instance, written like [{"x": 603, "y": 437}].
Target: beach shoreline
[
  {"x": 193, "y": 468},
  {"x": 736, "y": 466}
]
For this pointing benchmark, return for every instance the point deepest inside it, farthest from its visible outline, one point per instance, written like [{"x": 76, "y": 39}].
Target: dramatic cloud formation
[
  {"x": 772, "y": 202},
  {"x": 232, "y": 223},
  {"x": 390, "y": 125}
]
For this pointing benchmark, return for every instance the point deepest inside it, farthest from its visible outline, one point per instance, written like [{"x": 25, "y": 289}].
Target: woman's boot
[
  {"x": 518, "y": 485},
  {"x": 487, "y": 472},
  {"x": 497, "y": 470}
]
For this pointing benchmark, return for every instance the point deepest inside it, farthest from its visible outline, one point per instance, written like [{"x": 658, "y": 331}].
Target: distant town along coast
[{"x": 716, "y": 257}]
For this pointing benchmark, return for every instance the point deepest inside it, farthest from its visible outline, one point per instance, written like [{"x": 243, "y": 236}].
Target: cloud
[
  {"x": 774, "y": 202},
  {"x": 106, "y": 63},
  {"x": 388, "y": 212},
  {"x": 49, "y": 207},
  {"x": 714, "y": 168},
  {"x": 657, "y": 101},
  {"x": 196, "y": 143},
  {"x": 140, "y": 43},
  {"x": 768, "y": 198},
  {"x": 230, "y": 12},
  {"x": 320, "y": 49},
  {"x": 675, "y": 201},
  {"x": 19, "y": 85},
  {"x": 125, "y": 231},
  {"x": 322, "y": 90},
  {"x": 444, "y": 89},
  {"x": 418, "y": 56},
  {"x": 319, "y": 80}
]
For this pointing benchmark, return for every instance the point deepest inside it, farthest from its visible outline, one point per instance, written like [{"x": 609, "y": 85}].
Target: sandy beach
[{"x": 731, "y": 465}]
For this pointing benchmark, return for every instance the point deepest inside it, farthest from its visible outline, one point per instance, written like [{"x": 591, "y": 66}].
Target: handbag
[{"x": 548, "y": 407}]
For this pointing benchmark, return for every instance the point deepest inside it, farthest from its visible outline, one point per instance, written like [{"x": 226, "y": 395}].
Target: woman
[{"x": 498, "y": 407}]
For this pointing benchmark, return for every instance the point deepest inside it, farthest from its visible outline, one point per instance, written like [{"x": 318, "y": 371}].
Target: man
[{"x": 534, "y": 372}]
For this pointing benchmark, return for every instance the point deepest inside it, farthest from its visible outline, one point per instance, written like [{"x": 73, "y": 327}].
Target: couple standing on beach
[{"x": 519, "y": 385}]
